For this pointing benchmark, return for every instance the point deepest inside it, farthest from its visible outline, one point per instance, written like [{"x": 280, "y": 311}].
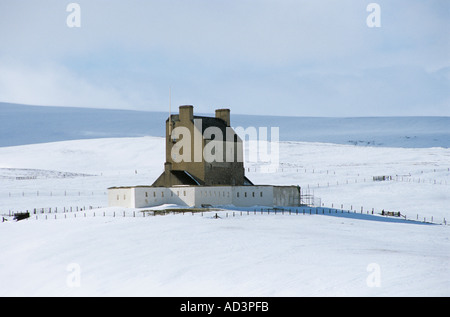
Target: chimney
[
  {"x": 223, "y": 114},
  {"x": 186, "y": 113}
]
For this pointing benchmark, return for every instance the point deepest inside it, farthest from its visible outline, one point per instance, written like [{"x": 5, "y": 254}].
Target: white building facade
[{"x": 198, "y": 196}]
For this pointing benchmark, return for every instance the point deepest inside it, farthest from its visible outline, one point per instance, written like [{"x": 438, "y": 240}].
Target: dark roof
[
  {"x": 212, "y": 122},
  {"x": 186, "y": 178},
  {"x": 207, "y": 122},
  {"x": 248, "y": 182}
]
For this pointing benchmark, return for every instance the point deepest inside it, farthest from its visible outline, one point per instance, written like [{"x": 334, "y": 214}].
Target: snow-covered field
[
  {"x": 254, "y": 255},
  {"x": 245, "y": 255}
]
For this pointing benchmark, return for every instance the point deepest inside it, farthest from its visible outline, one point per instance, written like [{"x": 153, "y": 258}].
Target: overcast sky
[{"x": 283, "y": 57}]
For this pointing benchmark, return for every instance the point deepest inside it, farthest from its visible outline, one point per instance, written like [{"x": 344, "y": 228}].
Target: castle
[
  {"x": 204, "y": 167},
  {"x": 195, "y": 168}
]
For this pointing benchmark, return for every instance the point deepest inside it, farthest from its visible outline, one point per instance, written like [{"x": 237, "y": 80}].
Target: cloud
[
  {"x": 299, "y": 57},
  {"x": 50, "y": 84}
]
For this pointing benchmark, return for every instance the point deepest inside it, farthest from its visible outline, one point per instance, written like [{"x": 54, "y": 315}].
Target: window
[
  {"x": 260, "y": 194},
  {"x": 124, "y": 196},
  {"x": 184, "y": 193},
  {"x": 162, "y": 194},
  {"x": 146, "y": 194},
  {"x": 237, "y": 194},
  {"x": 253, "y": 194},
  {"x": 245, "y": 194},
  {"x": 154, "y": 194},
  {"x": 118, "y": 197}
]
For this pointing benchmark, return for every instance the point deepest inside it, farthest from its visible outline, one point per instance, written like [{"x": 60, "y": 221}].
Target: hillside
[
  {"x": 63, "y": 251},
  {"x": 22, "y": 124},
  {"x": 323, "y": 254}
]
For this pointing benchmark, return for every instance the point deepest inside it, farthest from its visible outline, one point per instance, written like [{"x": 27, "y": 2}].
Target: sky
[{"x": 283, "y": 57}]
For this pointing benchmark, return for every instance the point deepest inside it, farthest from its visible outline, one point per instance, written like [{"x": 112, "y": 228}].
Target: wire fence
[
  {"x": 55, "y": 193},
  {"x": 419, "y": 177},
  {"x": 91, "y": 212}
]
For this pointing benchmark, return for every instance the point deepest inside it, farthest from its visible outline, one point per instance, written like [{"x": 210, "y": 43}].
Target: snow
[
  {"x": 24, "y": 124},
  {"x": 343, "y": 253},
  {"x": 248, "y": 255}
]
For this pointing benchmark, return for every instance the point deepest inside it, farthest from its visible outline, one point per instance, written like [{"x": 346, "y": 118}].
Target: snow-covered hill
[
  {"x": 21, "y": 124},
  {"x": 254, "y": 254},
  {"x": 248, "y": 255},
  {"x": 315, "y": 255}
]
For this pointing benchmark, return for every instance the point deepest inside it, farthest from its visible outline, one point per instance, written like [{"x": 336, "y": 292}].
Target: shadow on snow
[{"x": 324, "y": 211}]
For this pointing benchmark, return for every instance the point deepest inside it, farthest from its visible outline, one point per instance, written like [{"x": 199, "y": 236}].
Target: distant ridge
[{"x": 25, "y": 124}]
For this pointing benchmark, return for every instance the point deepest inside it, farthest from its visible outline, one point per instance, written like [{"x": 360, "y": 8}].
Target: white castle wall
[
  {"x": 196, "y": 196},
  {"x": 121, "y": 197}
]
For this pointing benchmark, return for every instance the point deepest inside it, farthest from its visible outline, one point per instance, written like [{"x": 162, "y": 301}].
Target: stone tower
[{"x": 202, "y": 151}]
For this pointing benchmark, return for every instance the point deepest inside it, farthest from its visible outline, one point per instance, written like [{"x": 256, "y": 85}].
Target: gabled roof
[
  {"x": 208, "y": 122},
  {"x": 186, "y": 178}
]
